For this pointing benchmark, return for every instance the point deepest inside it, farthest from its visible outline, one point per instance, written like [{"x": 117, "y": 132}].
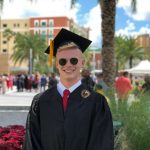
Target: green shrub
[{"x": 135, "y": 131}]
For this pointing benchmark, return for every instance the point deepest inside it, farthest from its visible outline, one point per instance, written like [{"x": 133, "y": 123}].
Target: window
[
  {"x": 4, "y": 25},
  {"x": 43, "y": 24},
  {"x": 51, "y": 23},
  {"x": 36, "y": 23},
  {"x": 4, "y": 50},
  {"x": 25, "y": 25},
  {"x": 4, "y": 42},
  {"x": 14, "y": 25},
  {"x": 18, "y": 25}
]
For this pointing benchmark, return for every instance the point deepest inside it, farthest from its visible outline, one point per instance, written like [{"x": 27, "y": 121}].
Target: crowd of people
[
  {"x": 24, "y": 82},
  {"x": 37, "y": 82}
]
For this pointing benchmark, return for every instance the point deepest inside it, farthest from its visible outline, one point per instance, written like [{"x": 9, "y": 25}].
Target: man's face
[{"x": 69, "y": 72}]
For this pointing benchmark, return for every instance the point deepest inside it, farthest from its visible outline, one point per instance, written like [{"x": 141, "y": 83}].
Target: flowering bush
[{"x": 12, "y": 137}]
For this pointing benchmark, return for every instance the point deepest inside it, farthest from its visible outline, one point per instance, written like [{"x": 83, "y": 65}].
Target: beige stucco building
[
  {"x": 6, "y": 44},
  {"x": 144, "y": 41}
]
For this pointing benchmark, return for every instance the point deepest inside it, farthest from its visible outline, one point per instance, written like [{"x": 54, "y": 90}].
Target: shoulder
[
  {"x": 98, "y": 97},
  {"x": 38, "y": 98},
  {"x": 35, "y": 103}
]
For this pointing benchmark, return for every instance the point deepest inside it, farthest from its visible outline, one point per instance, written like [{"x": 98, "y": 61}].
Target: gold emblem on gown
[{"x": 85, "y": 93}]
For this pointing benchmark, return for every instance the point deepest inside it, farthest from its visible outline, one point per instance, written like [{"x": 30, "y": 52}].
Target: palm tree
[
  {"x": 147, "y": 53},
  {"x": 23, "y": 44},
  {"x": 127, "y": 50},
  {"x": 108, "y": 13},
  {"x": 88, "y": 58},
  {"x": 132, "y": 51},
  {"x": 119, "y": 46}
]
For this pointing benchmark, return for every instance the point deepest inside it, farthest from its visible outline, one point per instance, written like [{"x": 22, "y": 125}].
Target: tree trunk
[
  {"x": 108, "y": 11},
  {"x": 130, "y": 62}
]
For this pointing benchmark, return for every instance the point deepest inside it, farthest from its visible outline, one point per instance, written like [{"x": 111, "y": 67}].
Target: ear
[
  {"x": 83, "y": 62},
  {"x": 56, "y": 63}
]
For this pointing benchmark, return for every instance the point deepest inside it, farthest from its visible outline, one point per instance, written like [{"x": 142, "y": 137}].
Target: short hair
[{"x": 125, "y": 73}]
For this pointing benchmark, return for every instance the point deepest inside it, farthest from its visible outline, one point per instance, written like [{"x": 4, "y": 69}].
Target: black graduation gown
[{"x": 86, "y": 124}]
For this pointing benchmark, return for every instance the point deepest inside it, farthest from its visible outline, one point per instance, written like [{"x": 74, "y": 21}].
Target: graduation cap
[{"x": 66, "y": 39}]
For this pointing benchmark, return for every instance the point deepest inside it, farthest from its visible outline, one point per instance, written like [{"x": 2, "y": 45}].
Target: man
[
  {"x": 100, "y": 84},
  {"x": 52, "y": 81},
  {"x": 123, "y": 86},
  {"x": 79, "y": 119},
  {"x": 87, "y": 79}
]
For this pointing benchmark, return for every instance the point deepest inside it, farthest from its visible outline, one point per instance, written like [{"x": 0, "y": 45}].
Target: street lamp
[{"x": 30, "y": 61}]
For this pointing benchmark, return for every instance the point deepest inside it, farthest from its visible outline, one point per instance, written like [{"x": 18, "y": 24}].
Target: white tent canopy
[{"x": 142, "y": 68}]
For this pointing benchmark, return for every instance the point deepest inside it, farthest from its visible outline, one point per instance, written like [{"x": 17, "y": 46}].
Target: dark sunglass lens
[
  {"x": 73, "y": 61},
  {"x": 62, "y": 61}
]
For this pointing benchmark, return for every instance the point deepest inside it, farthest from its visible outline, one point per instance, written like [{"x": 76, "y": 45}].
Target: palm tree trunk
[
  {"x": 108, "y": 11},
  {"x": 130, "y": 62}
]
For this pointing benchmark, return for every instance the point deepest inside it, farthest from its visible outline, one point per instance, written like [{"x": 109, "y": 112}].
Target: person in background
[
  {"x": 4, "y": 83},
  {"x": 146, "y": 85},
  {"x": 43, "y": 82},
  {"x": 69, "y": 116},
  {"x": 87, "y": 79},
  {"x": 52, "y": 81},
  {"x": 0, "y": 83},
  {"x": 100, "y": 86},
  {"x": 123, "y": 86}
]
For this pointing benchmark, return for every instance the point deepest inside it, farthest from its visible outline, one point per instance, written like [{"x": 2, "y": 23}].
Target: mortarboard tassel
[{"x": 51, "y": 52}]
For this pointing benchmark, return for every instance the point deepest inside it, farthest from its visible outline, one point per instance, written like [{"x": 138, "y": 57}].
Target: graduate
[{"x": 69, "y": 116}]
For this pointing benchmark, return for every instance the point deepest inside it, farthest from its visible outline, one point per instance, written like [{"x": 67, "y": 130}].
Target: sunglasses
[{"x": 63, "y": 61}]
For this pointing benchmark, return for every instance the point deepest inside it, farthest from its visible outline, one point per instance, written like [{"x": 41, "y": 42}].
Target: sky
[{"x": 86, "y": 13}]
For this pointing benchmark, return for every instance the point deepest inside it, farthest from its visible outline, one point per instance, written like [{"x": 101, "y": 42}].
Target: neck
[{"x": 69, "y": 83}]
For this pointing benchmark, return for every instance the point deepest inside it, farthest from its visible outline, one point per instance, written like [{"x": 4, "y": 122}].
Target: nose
[{"x": 68, "y": 63}]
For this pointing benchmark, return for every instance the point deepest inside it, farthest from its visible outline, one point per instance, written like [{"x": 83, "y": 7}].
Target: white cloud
[
  {"x": 129, "y": 30},
  {"x": 25, "y": 9},
  {"x": 94, "y": 23},
  {"x": 143, "y": 9}
]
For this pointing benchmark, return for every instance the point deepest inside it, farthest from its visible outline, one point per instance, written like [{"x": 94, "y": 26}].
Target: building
[
  {"x": 47, "y": 27},
  {"x": 144, "y": 41},
  {"x": 7, "y": 43}
]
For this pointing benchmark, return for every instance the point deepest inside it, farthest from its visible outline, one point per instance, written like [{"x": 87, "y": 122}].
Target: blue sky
[{"x": 86, "y": 13}]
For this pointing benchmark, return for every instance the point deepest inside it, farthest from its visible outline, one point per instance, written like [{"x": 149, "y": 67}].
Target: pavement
[
  {"x": 14, "y": 107},
  {"x": 14, "y": 98}
]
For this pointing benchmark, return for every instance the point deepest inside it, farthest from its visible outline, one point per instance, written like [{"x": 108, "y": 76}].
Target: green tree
[
  {"x": 147, "y": 53},
  {"x": 132, "y": 51},
  {"x": 127, "y": 50},
  {"x": 22, "y": 45},
  {"x": 88, "y": 58},
  {"x": 119, "y": 46}
]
